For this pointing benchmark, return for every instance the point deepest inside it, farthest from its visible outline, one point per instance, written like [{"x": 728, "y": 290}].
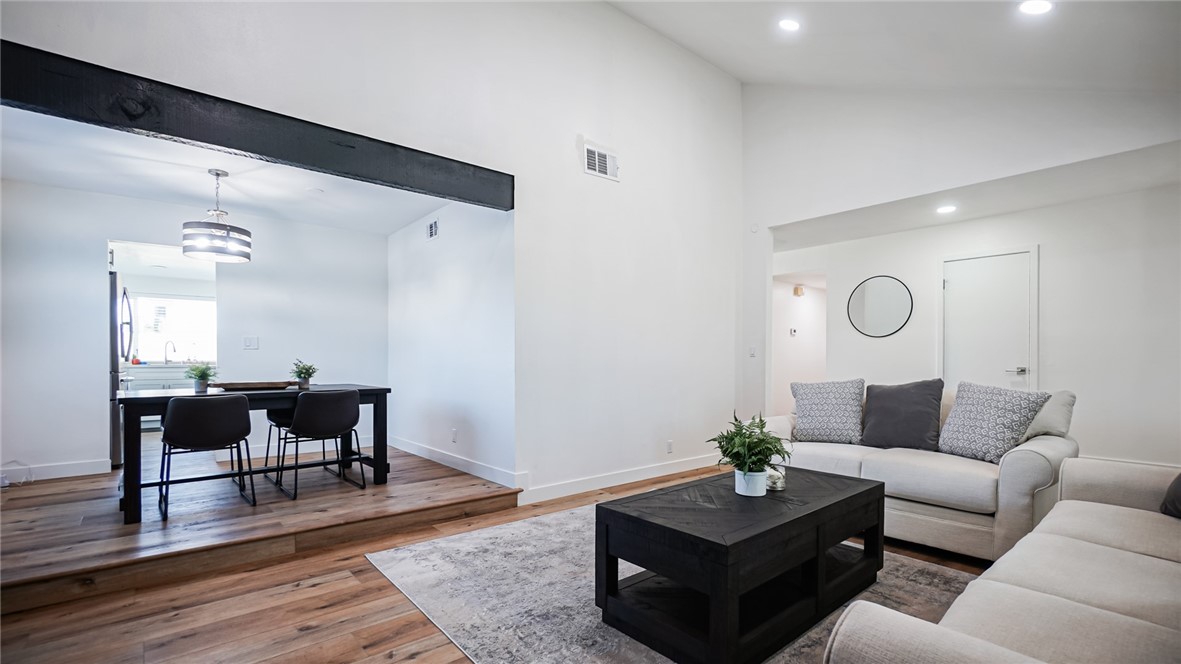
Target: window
[{"x": 189, "y": 323}]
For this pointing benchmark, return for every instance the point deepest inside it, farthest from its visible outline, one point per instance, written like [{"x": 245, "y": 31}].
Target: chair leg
[
  {"x": 360, "y": 466},
  {"x": 253, "y": 499},
  {"x": 166, "y": 485},
  {"x": 277, "y": 479},
  {"x": 284, "y": 441}
]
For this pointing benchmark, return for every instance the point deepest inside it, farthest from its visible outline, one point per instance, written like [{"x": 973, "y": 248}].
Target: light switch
[{"x": 249, "y": 343}]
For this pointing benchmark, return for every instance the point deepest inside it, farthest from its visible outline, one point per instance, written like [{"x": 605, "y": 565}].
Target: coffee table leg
[
  {"x": 723, "y": 616},
  {"x": 606, "y": 568}
]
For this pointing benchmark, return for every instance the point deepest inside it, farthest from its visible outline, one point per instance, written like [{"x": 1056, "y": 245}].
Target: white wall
[
  {"x": 451, "y": 341},
  {"x": 140, "y": 284},
  {"x": 1110, "y": 310},
  {"x": 315, "y": 292},
  {"x": 626, "y": 293},
  {"x": 814, "y": 151},
  {"x": 809, "y": 152},
  {"x": 801, "y": 358}
]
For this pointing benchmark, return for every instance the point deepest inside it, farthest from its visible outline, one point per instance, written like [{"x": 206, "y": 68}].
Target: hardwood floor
[
  {"x": 325, "y": 606},
  {"x": 64, "y": 539}
]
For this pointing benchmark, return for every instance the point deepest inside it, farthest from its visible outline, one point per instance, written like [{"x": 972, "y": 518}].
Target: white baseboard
[
  {"x": 470, "y": 466},
  {"x": 19, "y": 473},
  {"x": 570, "y": 487}
]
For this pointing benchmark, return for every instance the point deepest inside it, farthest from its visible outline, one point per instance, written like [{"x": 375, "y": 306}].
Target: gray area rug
[{"x": 524, "y": 592}]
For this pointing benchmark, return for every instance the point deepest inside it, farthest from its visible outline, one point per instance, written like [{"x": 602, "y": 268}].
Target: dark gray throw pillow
[
  {"x": 903, "y": 415},
  {"x": 1172, "y": 502}
]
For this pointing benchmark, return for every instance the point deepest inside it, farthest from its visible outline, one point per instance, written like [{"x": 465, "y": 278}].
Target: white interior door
[{"x": 990, "y": 320}]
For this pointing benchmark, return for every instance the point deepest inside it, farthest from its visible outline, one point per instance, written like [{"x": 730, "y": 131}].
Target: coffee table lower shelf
[{"x": 673, "y": 618}]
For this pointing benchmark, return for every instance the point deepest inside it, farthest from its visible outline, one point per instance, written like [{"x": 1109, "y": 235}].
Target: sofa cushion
[
  {"x": 1054, "y": 417},
  {"x": 1138, "y": 531},
  {"x": 1122, "y": 582},
  {"x": 988, "y": 421},
  {"x": 836, "y": 458},
  {"x": 903, "y": 415},
  {"x": 1054, "y": 629},
  {"x": 829, "y": 412},
  {"x": 935, "y": 478}
]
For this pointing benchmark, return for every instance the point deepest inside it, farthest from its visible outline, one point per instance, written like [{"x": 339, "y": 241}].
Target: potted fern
[
  {"x": 201, "y": 374},
  {"x": 303, "y": 373},
  {"x": 750, "y": 448}
]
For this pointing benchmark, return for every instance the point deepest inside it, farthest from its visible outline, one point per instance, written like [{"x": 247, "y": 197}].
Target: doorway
[
  {"x": 799, "y": 328},
  {"x": 990, "y": 322}
]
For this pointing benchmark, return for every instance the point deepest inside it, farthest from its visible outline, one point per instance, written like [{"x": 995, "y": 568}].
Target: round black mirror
[{"x": 880, "y": 306}]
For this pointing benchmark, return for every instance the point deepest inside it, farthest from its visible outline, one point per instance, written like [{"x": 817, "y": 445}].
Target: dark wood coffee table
[{"x": 731, "y": 578}]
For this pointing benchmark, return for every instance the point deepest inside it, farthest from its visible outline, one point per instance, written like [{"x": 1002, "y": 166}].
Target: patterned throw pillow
[
  {"x": 988, "y": 421},
  {"x": 828, "y": 412}
]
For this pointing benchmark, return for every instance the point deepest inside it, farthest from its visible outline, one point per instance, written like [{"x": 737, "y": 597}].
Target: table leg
[
  {"x": 381, "y": 465},
  {"x": 606, "y": 568},
  {"x": 132, "y": 509},
  {"x": 723, "y": 616},
  {"x": 875, "y": 543}
]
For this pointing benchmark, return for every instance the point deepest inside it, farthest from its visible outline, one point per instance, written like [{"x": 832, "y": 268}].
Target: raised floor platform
[{"x": 65, "y": 539}]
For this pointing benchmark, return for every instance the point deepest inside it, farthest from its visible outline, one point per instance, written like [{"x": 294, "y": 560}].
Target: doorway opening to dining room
[
  {"x": 163, "y": 321},
  {"x": 799, "y": 327}
]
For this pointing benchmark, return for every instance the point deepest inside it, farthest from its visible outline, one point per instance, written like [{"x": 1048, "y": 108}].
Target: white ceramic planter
[
  {"x": 200, "y": 386},
  {"x": 305, "y": 383},
  {"x": 750, "y": 484}
]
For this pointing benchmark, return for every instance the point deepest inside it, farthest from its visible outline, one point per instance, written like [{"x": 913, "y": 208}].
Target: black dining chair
[
  {"x": 323, "y": 416},
  {"x": 203, "y": 424}
]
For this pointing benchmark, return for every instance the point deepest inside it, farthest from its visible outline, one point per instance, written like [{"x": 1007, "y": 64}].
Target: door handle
[{"x": 1020, "y": 371}]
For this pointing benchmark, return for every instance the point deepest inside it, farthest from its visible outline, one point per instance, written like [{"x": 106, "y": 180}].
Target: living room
[{"x": 641, "y": 316}]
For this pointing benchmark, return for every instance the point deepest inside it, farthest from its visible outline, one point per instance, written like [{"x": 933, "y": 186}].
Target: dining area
[{"x": 219, "y": 419}]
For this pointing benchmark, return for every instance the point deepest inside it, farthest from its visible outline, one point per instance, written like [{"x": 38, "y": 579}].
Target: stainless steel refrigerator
[{"x": 121, "y": 331}]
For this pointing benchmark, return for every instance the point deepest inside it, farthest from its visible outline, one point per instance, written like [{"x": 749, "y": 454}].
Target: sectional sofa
[
  {"x": 1098, "y": 580},
  {"x": 951, "y": 502}
]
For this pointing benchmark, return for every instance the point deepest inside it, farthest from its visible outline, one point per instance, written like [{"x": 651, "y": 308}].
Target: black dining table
[{"x": 138, "y": 404}]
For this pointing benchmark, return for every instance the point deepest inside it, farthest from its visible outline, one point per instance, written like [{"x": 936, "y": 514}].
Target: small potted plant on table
[
  {"x": 750, "y": 448},
  {"x": 201, "y": 375},
  {"x": 303, "y": 373}
]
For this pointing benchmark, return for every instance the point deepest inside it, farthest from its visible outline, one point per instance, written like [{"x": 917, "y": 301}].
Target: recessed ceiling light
[
  {"x": 1035, "y": 6},
  {"x": 946, "y": 209},
  {"x": 789, "y": 25}
]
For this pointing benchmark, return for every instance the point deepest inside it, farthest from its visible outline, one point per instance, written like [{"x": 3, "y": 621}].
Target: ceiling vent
[
  {"x": 432, "y": 230},
  {"x": 601, "y": 163}
]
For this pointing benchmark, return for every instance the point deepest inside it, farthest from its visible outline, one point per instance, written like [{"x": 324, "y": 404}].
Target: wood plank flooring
[
  {"x": 64, "y": 539},
  {"x": 324, "y": 606}
]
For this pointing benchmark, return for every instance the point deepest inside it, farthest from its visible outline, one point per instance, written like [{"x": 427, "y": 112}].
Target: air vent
[
  {"x": 601, "y": 163},
  {"x": 432, "y": 230}
]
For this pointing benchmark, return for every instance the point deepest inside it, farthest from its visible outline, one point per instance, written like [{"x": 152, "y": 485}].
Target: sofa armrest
[
  {"x": 1138, "y": 485},
  {"x": 1024, "y": 471},
  {"x": 867, "y": 633}
]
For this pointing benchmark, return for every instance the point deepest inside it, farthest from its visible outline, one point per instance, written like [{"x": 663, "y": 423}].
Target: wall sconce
[{"x": 798, "y": 291}]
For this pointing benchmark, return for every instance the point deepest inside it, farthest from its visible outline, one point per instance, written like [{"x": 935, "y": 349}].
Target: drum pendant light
[{"x": 212, "y": 238}]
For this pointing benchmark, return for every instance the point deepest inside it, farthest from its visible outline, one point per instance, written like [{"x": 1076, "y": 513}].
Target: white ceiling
[
  {"x": 159, "y": 260},
  {"x": 1108, "y": 46},
  {"x": 51, "y": 151},
  {"x": 814, "y": 280},
  {"x": 1113, "y": 174}
]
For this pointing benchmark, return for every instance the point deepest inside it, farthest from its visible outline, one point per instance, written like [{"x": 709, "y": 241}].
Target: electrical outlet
[
  {"x": 249, "y": 343},
  {"x": 668, "y": 447},
  {"x": 454, "y": 436}
]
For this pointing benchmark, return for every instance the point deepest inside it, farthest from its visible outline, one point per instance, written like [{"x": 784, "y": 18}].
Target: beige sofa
[
  {"x": 1098, "y": 580},
  {"x": 964, "y": 505}
]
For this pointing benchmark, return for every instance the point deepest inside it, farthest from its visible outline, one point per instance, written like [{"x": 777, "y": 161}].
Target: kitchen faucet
[{"x": 166, "y": 345}]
